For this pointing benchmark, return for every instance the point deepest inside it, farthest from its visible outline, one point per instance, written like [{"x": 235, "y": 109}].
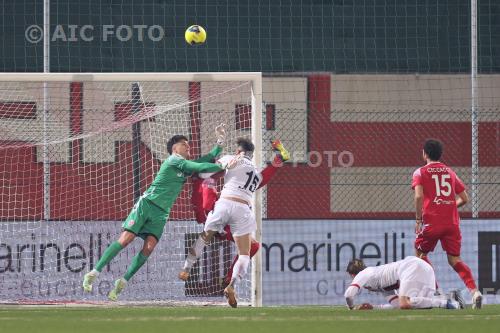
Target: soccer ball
[{"x": 195, "y": 34}]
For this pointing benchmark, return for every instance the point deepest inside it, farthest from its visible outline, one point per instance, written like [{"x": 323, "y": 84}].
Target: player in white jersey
[
  {"x": 240, "y": 182},
  {"x": 233, "y": 208},
  {"x": 406, "y": 284}
]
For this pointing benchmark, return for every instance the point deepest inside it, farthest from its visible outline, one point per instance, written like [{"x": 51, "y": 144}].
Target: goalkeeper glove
[
  {"x": 282, "y": 152},
  {"x": 220, "y": 134}
]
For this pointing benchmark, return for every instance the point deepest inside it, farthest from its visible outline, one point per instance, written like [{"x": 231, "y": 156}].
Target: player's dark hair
[
  {"x": 355, "y": 266},
  {"x": 434, "y": 149},
  {"x": 245, "y": 145},
  {"x": 173, "y": 140}
]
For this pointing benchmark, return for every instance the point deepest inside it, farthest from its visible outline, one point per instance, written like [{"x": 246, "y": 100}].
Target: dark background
[{"x": 341, "y": 36}]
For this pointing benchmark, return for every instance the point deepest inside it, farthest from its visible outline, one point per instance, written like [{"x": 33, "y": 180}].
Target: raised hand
[
  {"x": 282, "y": 152},
  {"x": 220, "y": 134}
]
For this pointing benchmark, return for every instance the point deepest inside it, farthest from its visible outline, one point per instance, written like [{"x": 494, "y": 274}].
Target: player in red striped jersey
[
  {"x": 438, "y": 194},
  {"x": 412, "y": 277}
]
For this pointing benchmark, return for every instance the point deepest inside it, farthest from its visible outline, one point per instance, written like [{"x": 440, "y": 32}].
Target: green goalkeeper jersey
[{"x": 172, "y": 175}]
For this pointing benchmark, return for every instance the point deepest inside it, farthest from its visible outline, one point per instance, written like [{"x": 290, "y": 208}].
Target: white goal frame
[{"x": 256, "y": 85}]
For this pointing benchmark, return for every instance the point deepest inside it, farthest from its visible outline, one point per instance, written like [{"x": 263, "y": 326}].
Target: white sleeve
[
  {"x": 393, "y": 301},
  {"x": 206, "y": 175},
  {"x": 225, "y": 159},
  {"x": 360, "y": 280},
  {"x": 351, "y": 291},
  {"x": 357, "y": 283}
]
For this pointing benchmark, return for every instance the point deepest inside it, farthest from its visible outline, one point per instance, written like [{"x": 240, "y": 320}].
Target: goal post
[
  {"x": 77, "y": 121},
  {"x": 257, "y": 104}
]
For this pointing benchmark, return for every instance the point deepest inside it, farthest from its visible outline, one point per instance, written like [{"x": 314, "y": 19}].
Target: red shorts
[{"x": 448, "y": 234}]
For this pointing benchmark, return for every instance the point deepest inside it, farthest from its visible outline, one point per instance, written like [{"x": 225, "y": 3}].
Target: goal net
[
  {"x": 352, "y": 89},
  {"x": 76, "y": 153}
]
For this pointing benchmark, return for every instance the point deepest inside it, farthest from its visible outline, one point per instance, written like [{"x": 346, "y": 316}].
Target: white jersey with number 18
[{"x": 242, "y": 180}]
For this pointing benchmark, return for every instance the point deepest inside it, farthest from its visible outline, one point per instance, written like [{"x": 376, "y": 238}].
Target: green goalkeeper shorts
[{"x": 146, "y": 219}]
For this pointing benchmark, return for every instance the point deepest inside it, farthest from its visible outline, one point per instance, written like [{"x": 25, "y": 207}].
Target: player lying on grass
[
  {"x": 150, "y": 213},
  {"x": 412, "y": 278},
  {"x": 204, "y": 196},
  {"x": 233, "y": 209}
]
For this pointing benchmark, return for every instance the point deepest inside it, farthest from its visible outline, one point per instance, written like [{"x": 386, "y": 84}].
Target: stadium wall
[
  {"x": 304, "y": 262},
  {"x": 307, "y": 266},
  {"x": 351, "y": 136},
  {"x": 286, "y": 36}
]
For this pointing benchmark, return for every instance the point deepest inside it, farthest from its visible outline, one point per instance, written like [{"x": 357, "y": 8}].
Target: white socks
[
  {"x": 197, "y": 247},
  {"x": 240, "y": 268},
  {"x": 427, "y": 302}
]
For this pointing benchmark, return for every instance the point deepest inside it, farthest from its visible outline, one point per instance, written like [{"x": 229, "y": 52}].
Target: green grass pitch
[{"x": 53, "y": 319}]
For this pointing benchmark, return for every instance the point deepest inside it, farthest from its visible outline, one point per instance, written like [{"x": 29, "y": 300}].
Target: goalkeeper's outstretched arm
[
  {"x": 205, "y": 167},
  {"x": 211, "y": 156},
  {"x": 278, "y": 161},
  {"x": 196, "y": 167}
]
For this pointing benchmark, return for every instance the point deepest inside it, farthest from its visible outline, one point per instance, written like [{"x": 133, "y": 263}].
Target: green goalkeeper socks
[
  {"x": 108, "y": 255},
  {"x": 136, "y": 263},
  {"x": 111, "y": 252}
]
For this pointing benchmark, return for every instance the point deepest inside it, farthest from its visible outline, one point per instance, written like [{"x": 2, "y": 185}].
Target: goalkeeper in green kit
[{"x": 149, "y": 214}]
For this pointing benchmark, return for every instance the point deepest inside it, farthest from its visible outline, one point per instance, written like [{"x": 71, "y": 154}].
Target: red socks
[
  {"x": 254, "y": 248},
  {"x": 465, "y": 274}
]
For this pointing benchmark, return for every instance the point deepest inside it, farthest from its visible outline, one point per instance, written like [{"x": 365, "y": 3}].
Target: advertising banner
[
  {"x": 305, "y": 261},
  {"x": 47, "y": 261}
]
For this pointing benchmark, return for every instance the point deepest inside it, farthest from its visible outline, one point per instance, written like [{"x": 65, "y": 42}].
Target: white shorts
[
  {"x": 416, "y": 278},
  {"x": 235, "y": 214}
]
